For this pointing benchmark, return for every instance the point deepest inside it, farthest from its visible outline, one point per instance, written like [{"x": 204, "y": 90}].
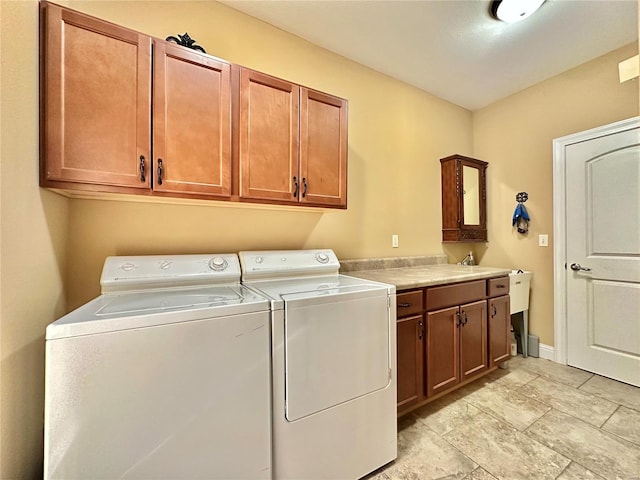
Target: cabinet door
[
  {"x": 268, "y": 138},
  {"x": 443, "y": 370},
  {"x": 191, "y": 122},
  {"x": 97, "y": 93},
  {"x": 410, "y": 355},
  {"x": 323, "y": 149},
  {"x": 463, "y": 199},
  {"x": 499, "y": 330},
  {"x": 473, "y": 339}
]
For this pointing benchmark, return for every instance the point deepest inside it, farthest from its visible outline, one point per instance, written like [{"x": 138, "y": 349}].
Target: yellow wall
[
  {"x": 33, "y": 229},
  {"x": 515, "y": 135},
  {"x": 396, "y": 136},
  {"x": 50, "y": 244}
]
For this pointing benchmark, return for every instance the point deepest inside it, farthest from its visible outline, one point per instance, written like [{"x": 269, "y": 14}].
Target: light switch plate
[
  {"x": 543, "y": 240},
  {"x": 394, "y": 241}
]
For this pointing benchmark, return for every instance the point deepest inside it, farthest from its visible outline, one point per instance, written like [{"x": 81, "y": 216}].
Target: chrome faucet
[{"x": 468, "y": 260}]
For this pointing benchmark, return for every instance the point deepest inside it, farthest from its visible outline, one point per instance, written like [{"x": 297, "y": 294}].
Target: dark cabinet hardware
[
  {"x": 296, "y": 187},
  {"x": 142, "y": 176},
  {"x": 304, "y": 187},
  {"x": 404, "y": 305},
  {"x": 159, "y": 171},
  {"x": 421, "y": 330}
]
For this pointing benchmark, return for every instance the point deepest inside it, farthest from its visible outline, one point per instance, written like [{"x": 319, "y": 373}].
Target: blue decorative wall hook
[{"x": 520, "y": 215}]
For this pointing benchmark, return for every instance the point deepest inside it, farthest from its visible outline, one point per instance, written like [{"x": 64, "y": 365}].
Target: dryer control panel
[
  {"x": 273, "y": 264},
  {"x": 159, "y": 271}
]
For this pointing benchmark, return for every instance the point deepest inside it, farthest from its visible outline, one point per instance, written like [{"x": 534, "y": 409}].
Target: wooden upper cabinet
[
  {"x": 268, "y": 138},
  {"x": 191, "y": 122},
  {"x": 292, "y": 142},
  {"x": 96, "y": 93},
  {"x": 464, "y": 209},
  {"x": 323, "y": 148},
  {"x": 219, "y": 131}
]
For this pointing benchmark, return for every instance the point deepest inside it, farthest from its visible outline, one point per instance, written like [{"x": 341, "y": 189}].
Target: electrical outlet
[
  {"x": 394, "y": 241},
  {"x": 543, "y": 240}
]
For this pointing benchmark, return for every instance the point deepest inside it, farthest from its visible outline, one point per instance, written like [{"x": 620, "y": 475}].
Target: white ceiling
[{"x": 453, "y": 48}]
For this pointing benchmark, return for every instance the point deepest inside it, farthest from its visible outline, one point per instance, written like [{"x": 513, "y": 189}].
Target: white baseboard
[{"x": 547, "y": 352}]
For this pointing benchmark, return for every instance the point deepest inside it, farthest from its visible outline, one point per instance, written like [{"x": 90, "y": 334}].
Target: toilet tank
[{"x": 519, "y": 284}]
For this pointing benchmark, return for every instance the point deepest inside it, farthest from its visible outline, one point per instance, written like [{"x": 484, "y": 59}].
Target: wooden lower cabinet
[
  {"x": 456, "y": 345},
  {"x": 443, "y": 344},
  {"x": 410, "y": 348},
  {"x": 443, "y": 350},
  {"x": 499, "y": 330},
  {"x": 473, "y": 339}
]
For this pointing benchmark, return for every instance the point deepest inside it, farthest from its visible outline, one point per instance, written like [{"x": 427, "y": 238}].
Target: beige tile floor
[{"x": 535, "y": 419}]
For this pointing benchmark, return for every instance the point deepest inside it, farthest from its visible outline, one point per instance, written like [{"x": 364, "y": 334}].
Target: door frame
[{"x": 560, "y": 230}]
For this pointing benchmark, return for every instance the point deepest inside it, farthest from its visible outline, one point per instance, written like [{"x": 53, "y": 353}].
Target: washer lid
[
  {"x": 322, "y": 287},
  {"x": 124, "y": 311}
]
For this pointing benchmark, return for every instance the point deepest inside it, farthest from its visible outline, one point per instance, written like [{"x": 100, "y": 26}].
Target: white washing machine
[
  {"x": 334, "y": 365},
  {"x": 166, "y": 375}
]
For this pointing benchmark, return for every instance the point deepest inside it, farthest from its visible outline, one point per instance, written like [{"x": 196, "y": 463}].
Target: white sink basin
[{"x": 519, "y": 284}]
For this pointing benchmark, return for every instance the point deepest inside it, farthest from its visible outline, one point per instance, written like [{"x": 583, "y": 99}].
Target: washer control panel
[
  {"x": 164, "y": 271},
  {"x": 262, "y": 265}
]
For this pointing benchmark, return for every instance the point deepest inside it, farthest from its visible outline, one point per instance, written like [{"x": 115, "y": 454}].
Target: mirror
[
  {"x": 464, "y": 210},
  {"x": 471, "y": 195}
]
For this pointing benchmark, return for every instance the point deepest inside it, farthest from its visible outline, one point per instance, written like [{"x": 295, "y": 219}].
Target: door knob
[{"x": 576, "y": 267}]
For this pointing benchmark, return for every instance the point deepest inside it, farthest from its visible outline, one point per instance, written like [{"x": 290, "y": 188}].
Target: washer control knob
[
  {"x": 165, "y": 265},
  {"x": 322, "y": 257},
  {"x": 259, "y": 259},
  {"x": 218, "y": 264},
  {"x": 127, "y": 267}
]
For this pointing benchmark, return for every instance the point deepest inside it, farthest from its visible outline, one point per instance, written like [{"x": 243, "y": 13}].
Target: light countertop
[{"x": 428, "y": 275}]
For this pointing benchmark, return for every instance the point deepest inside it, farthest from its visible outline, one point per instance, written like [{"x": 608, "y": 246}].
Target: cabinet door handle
[
  {"x": 421, "y": 329},
  {"x": 495, "y": 312},
  {"x": 159, "y": 171},
  {"x": 458, "y": 321},
  {"x": 404, "y": 305},
  {"x": 142, "y": 177},
  {"x": 501, "y": 286},
  {"x": 304, "y": 187},
  {"x": 295, "y": 187},
  {"x": 463, "y": 318}
]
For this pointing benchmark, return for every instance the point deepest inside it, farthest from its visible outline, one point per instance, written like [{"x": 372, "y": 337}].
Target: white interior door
[{"x": 603, "y": 254}]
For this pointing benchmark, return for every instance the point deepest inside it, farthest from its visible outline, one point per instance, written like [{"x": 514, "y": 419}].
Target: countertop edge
[{"x": 429, "y": 276}]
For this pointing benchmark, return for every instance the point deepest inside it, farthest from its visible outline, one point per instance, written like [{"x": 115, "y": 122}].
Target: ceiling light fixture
[{"x": 511, "y": 11}]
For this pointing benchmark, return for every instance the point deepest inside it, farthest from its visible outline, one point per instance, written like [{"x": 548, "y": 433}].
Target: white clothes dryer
[
  {"x": 334, "y": 364},
  {"x": 164, "y": 375}
]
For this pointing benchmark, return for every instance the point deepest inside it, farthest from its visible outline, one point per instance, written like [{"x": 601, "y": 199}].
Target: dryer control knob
[
  {"x": 259, "y": 259},
  {"x": 218, "y": 264},
  {"x": 127, "y": 267},
  {"x": 322, "y": 257}
]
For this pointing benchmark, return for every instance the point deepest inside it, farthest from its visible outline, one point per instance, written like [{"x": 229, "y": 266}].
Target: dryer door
[{"x": 336, "y": 348}]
